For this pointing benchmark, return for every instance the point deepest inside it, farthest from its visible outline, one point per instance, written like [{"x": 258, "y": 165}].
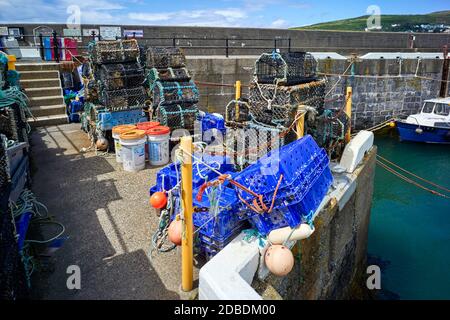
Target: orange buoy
[
  {"x": 158, "y": 200},
  {"x": 174, "y": 231},
  {"x": 279, "y": 260}
]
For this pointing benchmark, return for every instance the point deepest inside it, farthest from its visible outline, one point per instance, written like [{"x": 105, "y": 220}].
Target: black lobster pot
[
  {"x": 164, "y": 58},
  {"x": 121, "y": 76}
]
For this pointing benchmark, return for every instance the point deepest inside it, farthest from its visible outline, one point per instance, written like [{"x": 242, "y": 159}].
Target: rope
[
  {"x": 414, "y": 175},
  {"x": 399, "y": 175}
]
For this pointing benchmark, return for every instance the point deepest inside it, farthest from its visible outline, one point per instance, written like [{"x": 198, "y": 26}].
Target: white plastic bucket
[
  {"x": 116, "y": 132},
  {"x": 158, "y": 145},
  {"x": 133, "y": 150}
]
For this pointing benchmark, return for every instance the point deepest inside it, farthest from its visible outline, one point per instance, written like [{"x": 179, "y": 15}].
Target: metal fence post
[
  {"x": 289, "y": 44},
  {"x": 41, "y": 46},
  {"x": 93, "y": 35},
  {"x": 174, "y": 42},
  {"x": 275, "y": 44},
  {"x": 55, "y": 46}
]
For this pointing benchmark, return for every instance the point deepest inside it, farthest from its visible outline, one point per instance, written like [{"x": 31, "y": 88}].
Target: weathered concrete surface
[
  {"x": 331, "y": 264},
  {"x": 107, "y": 218}
]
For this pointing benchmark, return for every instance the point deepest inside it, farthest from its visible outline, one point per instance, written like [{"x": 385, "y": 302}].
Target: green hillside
[{"x": 404, "y": 23}]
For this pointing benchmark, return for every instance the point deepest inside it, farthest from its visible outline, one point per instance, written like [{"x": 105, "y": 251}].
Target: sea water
[{"x": 409, "y": 235}]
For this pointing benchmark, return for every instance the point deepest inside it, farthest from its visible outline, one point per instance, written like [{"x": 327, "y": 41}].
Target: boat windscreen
[
  {"x": 442, "y": 109},
  {"x": 428, "y": 107}
]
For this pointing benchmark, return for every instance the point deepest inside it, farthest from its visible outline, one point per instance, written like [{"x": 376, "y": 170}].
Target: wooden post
[
  {"x": 348, "y": 111},
  {"x": 300, "y": 129},
  {"x": 187, "y": 243},
  {"x": 237, "y": 97}
]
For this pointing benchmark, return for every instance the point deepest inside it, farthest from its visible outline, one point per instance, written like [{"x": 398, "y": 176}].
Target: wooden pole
[
  {"x": 238, "y": 96},
  {"x": 300, "y": 127},
  {"x": 348, "y": 111},
  {"x": 187, "y": 243}
]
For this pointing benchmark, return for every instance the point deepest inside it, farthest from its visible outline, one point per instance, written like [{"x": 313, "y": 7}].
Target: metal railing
[{"x": 216, "y": 46}]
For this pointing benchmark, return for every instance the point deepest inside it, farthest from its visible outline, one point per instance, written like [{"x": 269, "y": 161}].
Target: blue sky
[{"x": 234, "y": 13}]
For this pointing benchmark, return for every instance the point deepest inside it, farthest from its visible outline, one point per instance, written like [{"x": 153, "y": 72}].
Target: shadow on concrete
[{"x": 68, "y": 183}]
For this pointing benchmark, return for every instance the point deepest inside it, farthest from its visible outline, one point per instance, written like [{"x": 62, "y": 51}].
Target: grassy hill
[{"x": 404, "y": 22}]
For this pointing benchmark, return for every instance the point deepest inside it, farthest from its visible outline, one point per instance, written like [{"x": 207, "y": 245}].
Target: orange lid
[
  {"x": 159, "y": 130},
  {"x": 123, "y": 128},
  {"x": 147, "y": 125},
  {"x": 132, "y": 135}
]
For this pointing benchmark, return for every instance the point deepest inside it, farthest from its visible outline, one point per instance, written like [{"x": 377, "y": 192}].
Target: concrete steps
[{"x": 42, "y": 85}]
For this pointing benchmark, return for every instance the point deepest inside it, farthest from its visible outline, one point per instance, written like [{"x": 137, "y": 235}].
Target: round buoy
[
  {"x": 158, "y": 200},
  {"x": 101, "y": 144},
  {"x": 392, "y": 124},
  {"x": 279, "y": 260},
  {"x": 174, "y": 232}
]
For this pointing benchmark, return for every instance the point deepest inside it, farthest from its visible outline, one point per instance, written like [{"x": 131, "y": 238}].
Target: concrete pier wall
[{"x": 389, "y": 87}]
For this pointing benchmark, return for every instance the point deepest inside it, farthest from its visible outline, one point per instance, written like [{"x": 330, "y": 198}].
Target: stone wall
[{"x": 382, "y": 89}]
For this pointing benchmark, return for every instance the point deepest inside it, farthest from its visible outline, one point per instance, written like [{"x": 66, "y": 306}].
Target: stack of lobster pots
[
  {"x": 118, "y": 78},
  {"x": 174, "y": 94},
  {"x": 282, "y": 84}
]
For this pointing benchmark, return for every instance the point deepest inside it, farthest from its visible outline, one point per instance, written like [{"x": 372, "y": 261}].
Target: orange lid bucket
[
  {"x": 132, "y": 135},
  {"x": 157, "y": 131},
  {"x": 147, "y": 125},
  {"x": 123, "y": 128}
]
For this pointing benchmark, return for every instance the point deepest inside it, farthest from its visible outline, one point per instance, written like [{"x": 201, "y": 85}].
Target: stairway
[{"x": 42, "y": 85}]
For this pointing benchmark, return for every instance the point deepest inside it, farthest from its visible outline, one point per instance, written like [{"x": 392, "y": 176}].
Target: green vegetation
[{"x": 403, "y": 23}]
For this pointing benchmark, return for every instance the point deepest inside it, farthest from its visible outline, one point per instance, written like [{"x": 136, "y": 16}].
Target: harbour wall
[
  {"x": 382, "y": 88},
  {"x": 249, "y": 41}
]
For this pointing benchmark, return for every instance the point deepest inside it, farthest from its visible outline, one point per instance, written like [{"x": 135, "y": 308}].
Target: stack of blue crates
[
  {"x": 214, "y": 233},
  {"x": 306, "y": 180}
]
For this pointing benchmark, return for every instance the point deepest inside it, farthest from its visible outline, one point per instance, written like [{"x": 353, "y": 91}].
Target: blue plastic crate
[
  {"x": 226, "y": 220},
  {"x": 22, "y": 224},
  {"x": 166, "y": 178},
  {"x": 19, "y": 180},
  {"x": 107, "y": 120},
  {"x": 211, "y": 122}
]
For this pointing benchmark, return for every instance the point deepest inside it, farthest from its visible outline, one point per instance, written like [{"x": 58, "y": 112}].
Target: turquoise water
[{"x": 410, "y": 228}]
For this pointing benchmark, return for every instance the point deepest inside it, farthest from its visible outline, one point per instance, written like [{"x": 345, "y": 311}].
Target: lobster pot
[
  {"x": 247, "y": 144},
  {"x": 288, "y": 68},
  {"x": 169, "y": 74},
  {"x": 124, "y": 99},
  {"x": 237, "y": 113},
  {"x": 121, "y": 76},
  {"x": 118, "y": 51},
  {"x": 3, "y": 71},
  {"x": 13, "y": 123},
  {"x": 164, "y": 58},
  {"x": 5, "y": 177},
  {"x": 328, "y": 130},
  {"x": 177, "y": 116},
  {"x": 284, "y": 101},
  {"x": 67, "y": 80},
  {"x": 166, "y": 93},
  {"x": 91, "y": 92}
]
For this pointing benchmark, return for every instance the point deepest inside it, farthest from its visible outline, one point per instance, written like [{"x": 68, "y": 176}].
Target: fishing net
[
  {"x": 13, "y": 123},
  {"x": 289, "y": 68},
  {"x": 13, "y": 282},
  {"x": 328, "y": 130},
  {"x": 277, "y": 105},
  {"x": 118, "y": 51},
  {"x": 123, "y": 99},
  {"x": 177, "y": 116},
  {"x": 5, "y": 177},
  {"x": 247, "y": 144},
  {"x": 120, "y": 76},
  {"x": 167, "y": 75},
  {"x": 164, "y": 58},
  {"x": 237, "y": 113},
  {"x": 166, "y": 93}
]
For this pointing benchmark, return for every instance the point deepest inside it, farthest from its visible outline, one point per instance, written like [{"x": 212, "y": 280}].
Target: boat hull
[{"x": 414, "y": 132}]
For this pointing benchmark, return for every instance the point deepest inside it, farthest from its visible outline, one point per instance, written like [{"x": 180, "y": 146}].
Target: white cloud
[
  {"x": 151, "y": 17},
  {"x": 279, "y": 23}
]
